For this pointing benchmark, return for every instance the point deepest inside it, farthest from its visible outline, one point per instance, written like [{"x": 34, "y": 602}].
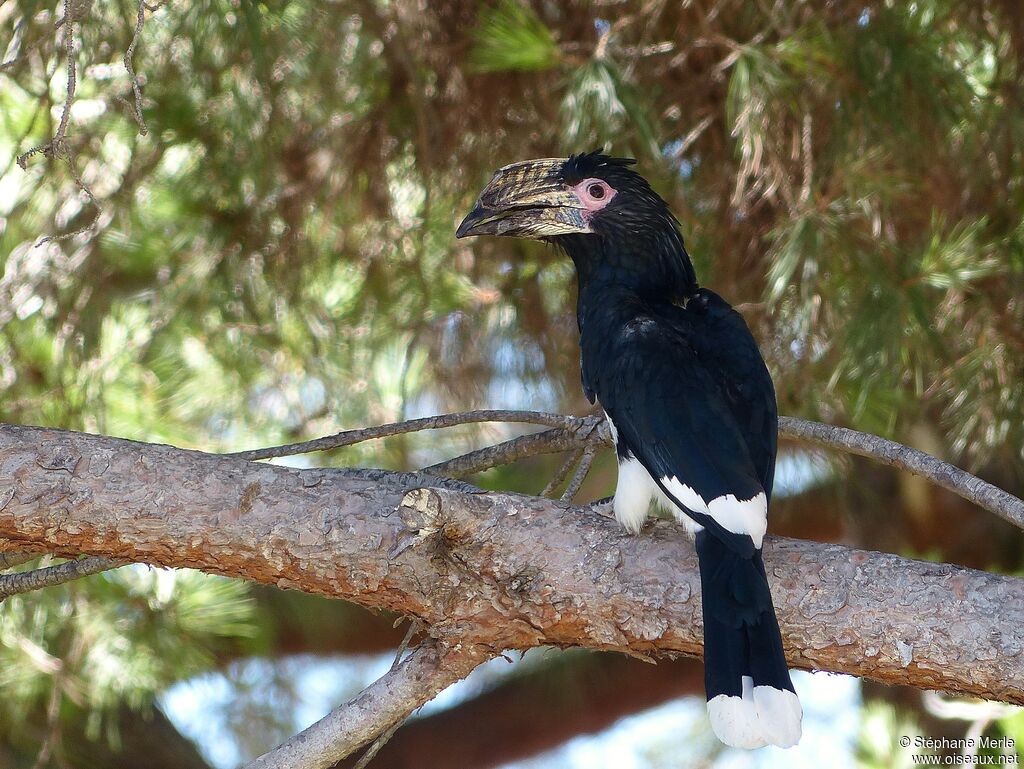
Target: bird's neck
[{"x": 652, "y": 268}]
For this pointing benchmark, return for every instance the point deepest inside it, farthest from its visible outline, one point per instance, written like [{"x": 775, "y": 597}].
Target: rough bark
[{"x": 498, "y": 570}]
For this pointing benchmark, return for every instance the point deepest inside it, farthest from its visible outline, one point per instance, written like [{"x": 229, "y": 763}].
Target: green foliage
[
  {"x": 121, "y": 636},
  {"x": 509, "y": 36},
  {"x": 878, "y": 743},
  {"x": 275, "y": 260}
]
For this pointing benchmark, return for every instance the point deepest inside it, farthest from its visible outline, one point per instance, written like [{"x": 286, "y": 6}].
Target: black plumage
[{"x": 690, "y": 401}]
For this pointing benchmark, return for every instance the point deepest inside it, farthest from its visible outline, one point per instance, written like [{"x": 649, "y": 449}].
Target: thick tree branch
[
  {"x": 498, "y": 570},
  {"x": 388, "y": 701}
]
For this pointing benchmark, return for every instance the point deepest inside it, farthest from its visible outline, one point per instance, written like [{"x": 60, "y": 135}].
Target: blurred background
[{"x": 274, "y": 260}]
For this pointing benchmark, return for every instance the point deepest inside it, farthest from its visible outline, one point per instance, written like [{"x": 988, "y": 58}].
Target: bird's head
[
  {"x": 598, "y": 209},
  {"x": 591, "y": 194}
]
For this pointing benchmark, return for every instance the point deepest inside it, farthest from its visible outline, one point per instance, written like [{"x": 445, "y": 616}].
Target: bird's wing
[
  {"x": 725, "y": 346},
  {"x": 707, "y": 440}
]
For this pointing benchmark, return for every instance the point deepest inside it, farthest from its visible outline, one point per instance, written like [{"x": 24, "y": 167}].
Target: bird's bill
[{"x": 527, "y": 200}]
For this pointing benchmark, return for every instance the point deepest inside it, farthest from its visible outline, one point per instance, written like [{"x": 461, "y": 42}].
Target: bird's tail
[{"x": 751, "y": 700}]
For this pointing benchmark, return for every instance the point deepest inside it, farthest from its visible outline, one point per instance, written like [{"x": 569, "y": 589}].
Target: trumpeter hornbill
[{"x": 690, "y": 404}]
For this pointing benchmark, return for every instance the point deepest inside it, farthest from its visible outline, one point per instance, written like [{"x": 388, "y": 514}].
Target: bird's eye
[{"x": 594, "y": 194}]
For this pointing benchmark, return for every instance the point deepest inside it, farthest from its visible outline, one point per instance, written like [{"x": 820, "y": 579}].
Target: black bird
[{"x": 690, "y": 403}]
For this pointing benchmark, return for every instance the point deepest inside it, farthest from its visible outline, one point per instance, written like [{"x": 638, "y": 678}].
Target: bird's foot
[{"x": 603, "y": 507}]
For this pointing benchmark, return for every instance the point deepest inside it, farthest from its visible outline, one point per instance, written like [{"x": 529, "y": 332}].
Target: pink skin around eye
[{"x": 594, "y": 194}]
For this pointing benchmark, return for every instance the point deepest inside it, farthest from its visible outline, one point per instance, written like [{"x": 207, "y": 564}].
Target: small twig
[
  {"x": 24, "y": 135},
  {"x": 507, "y": 452},
  {"x": 26, "y": 581},
  {"x": 579, "y": 432},
  {"x": 92, "y": 199},
  {"x": 414, "y": 628},
  {"x": 57, "y": 146},
  {"x": 694, "y": 134},
  {"x": 18, "y": 55},
  {"x": 350, "y": 437},
  {"x": 378, "y": 743},
  {"x": 806, "y": 149},
  {"x": 563, "y": 472},
  {"x": 943, "y": 474},
  {"x": 129, "y": 56},
  {"x": 382, "y": 740},
  {"x": 22, "y": 54},
  {"x": 581, "y": 474},
  {"x": 386, "y": 702},
  {"x": 53, "y": 733}
]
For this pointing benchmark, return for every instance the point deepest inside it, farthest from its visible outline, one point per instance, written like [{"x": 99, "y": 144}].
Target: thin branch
[
  {"x": 562, "y": 473},
  {"x": 949, "y": 477},
  {"x": 92, "y": 199},
  {"x": 388, "y": 701},
  {"x": 351, "y": 437},
  {"x": 414, "y": 628},
  {"x": 20, "y": 56},
  {"x": 129, "y": 56},
  {"x": 57, "y": 146},
  {"x": 507, "y": 452},
  {"x": 582, "y": 432},
  {"x": 574, "y": 433},
  {"x": 378, "y": 743},
  {"x": 52, "y": 741},
  {"x": 694, "y": 134},
  {"x": 581, "y": 475},
  {"x": 382, "y": 740},
  {"x": 27, "y": 581}
]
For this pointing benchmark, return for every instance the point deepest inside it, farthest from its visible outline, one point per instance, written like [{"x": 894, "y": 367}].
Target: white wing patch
[
  {"x": 633, "y": 493},
  {"x": 763, "y": 715},
  {"x": 636, "y": 490},
  {"x": 740, "y": 516}
]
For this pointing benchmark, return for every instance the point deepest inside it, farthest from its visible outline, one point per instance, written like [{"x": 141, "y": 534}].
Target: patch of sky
[
  {"x": 671, "y": 153},
  {"x": 673, "y": 734},
  {"x": 205, "y": 707},
  {"x": 797, "y": 471},
  {"x": 676, "y": 734},
  {"x": 510, "y": 389}
]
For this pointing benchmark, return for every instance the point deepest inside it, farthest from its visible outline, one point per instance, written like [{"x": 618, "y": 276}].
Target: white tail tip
[{"x": 763, "y": 716}]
